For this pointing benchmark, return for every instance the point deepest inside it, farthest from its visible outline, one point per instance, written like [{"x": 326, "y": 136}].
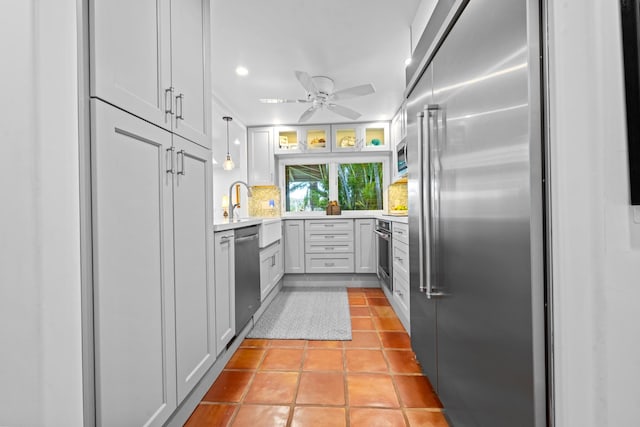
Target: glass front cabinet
[
  {"x": 302, "y": 139},
  {"x": 361, "y": 137}
]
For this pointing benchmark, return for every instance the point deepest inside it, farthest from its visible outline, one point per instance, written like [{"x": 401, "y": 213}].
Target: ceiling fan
[{"x": 320, "y": 94}]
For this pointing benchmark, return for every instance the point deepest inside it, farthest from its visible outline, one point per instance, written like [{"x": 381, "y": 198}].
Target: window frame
[{"x": 332, "y": 162}]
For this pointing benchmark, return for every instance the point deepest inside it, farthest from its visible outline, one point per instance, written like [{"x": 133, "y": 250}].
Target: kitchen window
[
  {"x": 306, "y": 187},
  {"x": 309, "y": 185},
  {"x": 360, "y": 186}
]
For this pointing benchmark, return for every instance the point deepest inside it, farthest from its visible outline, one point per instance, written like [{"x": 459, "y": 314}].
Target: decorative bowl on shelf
[{"x": 375, "y": 141}]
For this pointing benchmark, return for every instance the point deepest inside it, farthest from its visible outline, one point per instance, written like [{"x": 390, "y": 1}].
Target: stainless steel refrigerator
[{"x": 476, "y": 215}]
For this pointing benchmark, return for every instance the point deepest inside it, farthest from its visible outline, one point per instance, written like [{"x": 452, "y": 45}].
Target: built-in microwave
[{"x": 401, "y": 152}]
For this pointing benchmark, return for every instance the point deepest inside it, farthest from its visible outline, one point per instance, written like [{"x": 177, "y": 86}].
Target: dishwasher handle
[{"x": 244, "y": 239}]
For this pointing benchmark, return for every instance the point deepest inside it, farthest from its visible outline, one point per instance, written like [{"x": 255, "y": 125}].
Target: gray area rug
[{"x": 306, "y": 313}]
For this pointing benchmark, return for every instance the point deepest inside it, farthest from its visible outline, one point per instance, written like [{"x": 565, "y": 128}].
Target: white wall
[
  {"x": 596, "y": 244},
  {"x": 222, "y": 178},
  {"x": 40, "y": 335}
]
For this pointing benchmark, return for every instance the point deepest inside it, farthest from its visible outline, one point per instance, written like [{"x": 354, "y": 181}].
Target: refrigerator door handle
[
  {"x": 432, "y": 196},
  {"x": 421, "y": 190}
]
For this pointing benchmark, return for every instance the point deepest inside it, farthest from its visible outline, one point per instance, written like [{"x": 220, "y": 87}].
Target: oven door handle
[{"x": 385, "y": 236}]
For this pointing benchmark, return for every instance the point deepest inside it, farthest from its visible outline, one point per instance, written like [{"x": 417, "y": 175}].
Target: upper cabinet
[
  {"x": 302, "y": 139},
  {"x": 399, "y": 125},
  {"x": 261, "y": 162},
  {"x": 361, "y": 137},
  {"x": 156, "y": 65}
]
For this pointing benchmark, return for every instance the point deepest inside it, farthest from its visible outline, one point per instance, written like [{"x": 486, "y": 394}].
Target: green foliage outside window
[
  {"x": 307, "y": 187},
  {"x": 360, "y": 186}
]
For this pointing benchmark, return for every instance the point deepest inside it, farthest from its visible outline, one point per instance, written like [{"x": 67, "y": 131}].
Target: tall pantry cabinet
[{"x": 152, "y": 210}]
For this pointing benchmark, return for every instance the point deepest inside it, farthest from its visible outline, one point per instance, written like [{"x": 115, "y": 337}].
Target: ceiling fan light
[{"x": 228, "y": 163}]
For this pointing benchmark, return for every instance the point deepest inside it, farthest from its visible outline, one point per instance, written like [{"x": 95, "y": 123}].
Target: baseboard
[
  {"x": 190, "y": 403},
  {"x": 333, "y": 279}
]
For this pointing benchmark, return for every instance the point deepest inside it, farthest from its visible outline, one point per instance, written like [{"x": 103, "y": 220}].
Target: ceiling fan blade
[
  {"x": 344, "y": 111},
  {"x": 281, "y": 101},
  {"x": 352, "y": 92},
  {"x": 307, "y": 114},
  {"x": 307, "y": 82}
]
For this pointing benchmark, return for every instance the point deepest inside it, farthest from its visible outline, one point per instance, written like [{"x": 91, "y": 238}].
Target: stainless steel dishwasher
[{"x": 247, "y": 269}]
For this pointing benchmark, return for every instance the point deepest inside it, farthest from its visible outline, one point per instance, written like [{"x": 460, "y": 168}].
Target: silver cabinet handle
[
  {"x": 329, "y": 237},
  {"x": 170, "y": 151},
  {"x": 168, "y": 101},
  {"x": 328, "y": 225},
  {"x": 273, "y": 260},
  {"x": 180, "y": 155},
  {"x": 249, "y": 237},
  {"x": 328, "y": 248},
  {"x": 180, "y": 98},
  {"x": 329, "y": 264},
  {"x": 398, "y": 259}
]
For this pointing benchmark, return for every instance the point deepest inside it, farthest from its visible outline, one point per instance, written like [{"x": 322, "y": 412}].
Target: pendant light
[{"x": 228, "y": 163}]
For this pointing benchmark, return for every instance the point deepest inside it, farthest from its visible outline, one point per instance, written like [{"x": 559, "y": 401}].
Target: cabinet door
[
  {"x": 365, "y": 246},
  {"x": 376, "y": 136},
  {"x": 133, "y": 269},
  {"x": 316, "y": 138},
  {"x": 225, "y": 288},
  {"x": 346, "y": 137},
  {"x": 194, "y": 282},
  {"x": 287, "y": 140},
  {"x": 130, "y": 56},
  {"x": 294, "y": 246},
  {"x": 190, "y": 72},
  {"x": 266, "y": 267},
  {"x": 260, "y": 156},
  {"x": 278, "y": 264}
]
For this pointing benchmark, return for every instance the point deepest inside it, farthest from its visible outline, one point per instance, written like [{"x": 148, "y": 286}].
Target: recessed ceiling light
[
  {"x": 407, "y": 61},
  {"x": 241, "y": 71},
  {"x": 236, "y": 141}
]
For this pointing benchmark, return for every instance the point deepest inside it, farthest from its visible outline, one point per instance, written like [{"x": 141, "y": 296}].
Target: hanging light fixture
[{"x": 228, "y": 163}]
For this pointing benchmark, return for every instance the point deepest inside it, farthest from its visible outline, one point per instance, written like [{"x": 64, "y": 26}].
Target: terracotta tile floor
[{"x": 370, "y": 381}]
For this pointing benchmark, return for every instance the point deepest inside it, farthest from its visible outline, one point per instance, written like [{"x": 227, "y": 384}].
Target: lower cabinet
[
  {"x": 400, "y": 270},
  {"x": 329, "y": 246},
  {"x": 225, "y": 288},
  {"x": 294, "y": 246},
  {"x": 365, "y": 243},
  {"x": 153, "y": 267},
  {"x": 271, "y": 268}
]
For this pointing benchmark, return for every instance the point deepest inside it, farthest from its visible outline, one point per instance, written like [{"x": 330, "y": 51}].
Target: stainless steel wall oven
[{"x": 385, "y": 252}]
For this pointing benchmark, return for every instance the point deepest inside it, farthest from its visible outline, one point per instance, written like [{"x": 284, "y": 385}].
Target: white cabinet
[
  {"x": 329, "y": 246},
  {"x": 302, "y": 139},
  {"x": 260, "y": 158},
  {"x": 153, "y": 266},
  {"x": 294, "y": 246},
  {"x": 365, "y": 244},
  {"x": 193, "y": 249},
  {"x": 400, "y": 270},
  {"x": 135, "y": 362},
  {"x": 271, "y": 268},
  {"x": 361, "y": 137},
  {"x": 225, "y": 288},
  {"x": 156, "y": 64}
]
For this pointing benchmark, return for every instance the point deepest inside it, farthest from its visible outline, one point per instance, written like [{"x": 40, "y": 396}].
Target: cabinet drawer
[
  {"x": 328, "y": 247},
  {"x": 400, "y": 232},
  {"x": 401, "y": 259},
  {"x": 401, "y": 293},
  {"x": 329, "y": 224},
  {"x": 329, "y": 263},
  {"x": 329, "y": 236}
]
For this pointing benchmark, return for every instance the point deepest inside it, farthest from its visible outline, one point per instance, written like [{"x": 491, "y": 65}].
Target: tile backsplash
[
  {"x": 398, "y": 196},
  {"x": 264, "y": 201}
]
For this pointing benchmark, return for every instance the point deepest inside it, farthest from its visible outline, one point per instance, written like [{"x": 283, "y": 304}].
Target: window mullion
[{"x": 333, "y": 181}]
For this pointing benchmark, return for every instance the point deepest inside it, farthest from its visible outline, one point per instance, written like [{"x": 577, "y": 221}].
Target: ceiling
[{"x": 353, "y": 42}]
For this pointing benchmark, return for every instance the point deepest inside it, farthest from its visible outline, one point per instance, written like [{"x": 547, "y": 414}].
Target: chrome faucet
[{"x": 233, "y": 205}]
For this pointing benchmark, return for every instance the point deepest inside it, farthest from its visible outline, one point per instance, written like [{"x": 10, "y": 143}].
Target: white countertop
[{"x": 246, "y": 222}]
